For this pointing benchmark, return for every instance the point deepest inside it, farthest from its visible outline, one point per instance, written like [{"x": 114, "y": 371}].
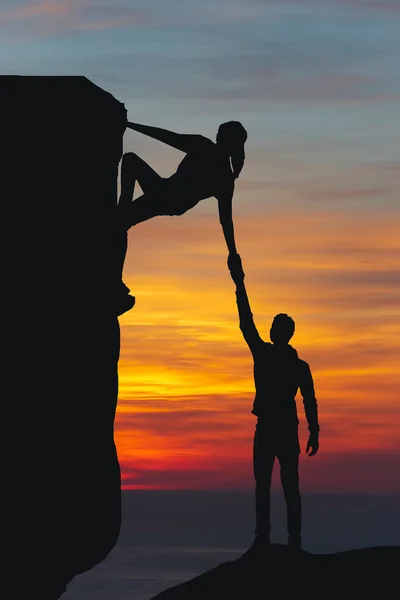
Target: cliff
[
  {"x": 284, "y": 573},
  {"x": 61, "y": 142}
]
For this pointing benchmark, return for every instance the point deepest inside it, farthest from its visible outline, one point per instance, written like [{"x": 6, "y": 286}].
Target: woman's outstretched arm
[
  {"x": 225, "y": 217},
  {"x": 180, "y": 141}
]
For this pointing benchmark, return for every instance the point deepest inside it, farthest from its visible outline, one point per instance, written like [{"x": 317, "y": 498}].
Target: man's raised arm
[{"x": 246, "y": 322}]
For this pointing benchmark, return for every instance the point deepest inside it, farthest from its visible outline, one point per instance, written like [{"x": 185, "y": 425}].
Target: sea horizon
[{"x": 170, "y": 536}]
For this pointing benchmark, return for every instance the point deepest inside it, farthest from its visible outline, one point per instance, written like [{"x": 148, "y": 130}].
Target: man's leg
[
  {"x": 263, "y": 463},
  {"x": 289, "y": 463}
]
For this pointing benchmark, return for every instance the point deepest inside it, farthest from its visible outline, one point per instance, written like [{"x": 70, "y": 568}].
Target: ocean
[{"x": 168, "y": 537}]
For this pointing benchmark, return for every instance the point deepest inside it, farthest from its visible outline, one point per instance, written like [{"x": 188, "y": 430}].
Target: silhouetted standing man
[{"x": 278, "y": 374}]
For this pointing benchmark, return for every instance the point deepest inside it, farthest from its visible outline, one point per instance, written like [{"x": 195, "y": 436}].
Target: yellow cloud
[{"x": 334, "y": 269}]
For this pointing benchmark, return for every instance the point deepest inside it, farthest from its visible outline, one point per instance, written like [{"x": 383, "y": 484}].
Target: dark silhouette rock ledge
[
  {"x": 283, "y": 573},
  {"x": 61, "y": 144}
]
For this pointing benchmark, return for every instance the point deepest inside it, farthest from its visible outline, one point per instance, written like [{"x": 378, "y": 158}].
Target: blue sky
[
  {"x": 316, "y": 79},
  {"x": 203, "y": 59}
]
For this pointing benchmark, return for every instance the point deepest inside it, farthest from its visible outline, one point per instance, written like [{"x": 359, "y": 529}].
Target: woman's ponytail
[{"x": 237, "y": 160}]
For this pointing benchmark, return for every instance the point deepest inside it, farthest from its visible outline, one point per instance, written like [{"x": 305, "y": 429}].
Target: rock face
[
  {"x": 284, "y": 573},
  {"x": 61, "y": 142}
]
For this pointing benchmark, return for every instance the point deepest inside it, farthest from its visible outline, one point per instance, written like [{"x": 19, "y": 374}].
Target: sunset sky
[{"x": 316, "y": 83}]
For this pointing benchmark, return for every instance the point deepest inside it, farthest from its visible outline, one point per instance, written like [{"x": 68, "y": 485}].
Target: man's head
[{"x": 282, "y": 329}]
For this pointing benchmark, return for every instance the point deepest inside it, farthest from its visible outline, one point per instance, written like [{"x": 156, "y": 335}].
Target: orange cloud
[
  {"x": 68, "y": 15},
  {"x": 317, "y": 242},
  {"x": 38, "y": 9}
]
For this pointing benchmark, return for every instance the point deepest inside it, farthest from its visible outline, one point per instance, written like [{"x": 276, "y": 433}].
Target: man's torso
[{"x": 277, "y": 376}]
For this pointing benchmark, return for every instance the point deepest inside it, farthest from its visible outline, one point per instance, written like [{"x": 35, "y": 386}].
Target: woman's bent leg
[
  {"x": 128, "y": 179},
  {"x": 158, "y": 203},
  {"x": 142, "y": 209},
  {"x": 134, "y": 168}
]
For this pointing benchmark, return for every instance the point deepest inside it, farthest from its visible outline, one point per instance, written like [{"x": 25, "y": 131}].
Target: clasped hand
[{"x": 235, "y": 267}]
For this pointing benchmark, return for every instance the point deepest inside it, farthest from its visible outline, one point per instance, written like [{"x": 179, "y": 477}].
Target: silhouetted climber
[
  {"x": 208, "y": 170},
  {"x": 278, "y": 374}
]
